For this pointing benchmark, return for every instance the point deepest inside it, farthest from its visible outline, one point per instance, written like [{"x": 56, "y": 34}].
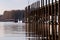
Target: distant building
[
  {"x": 1, "y": 17},
  {"x": 13, "y": 14}
]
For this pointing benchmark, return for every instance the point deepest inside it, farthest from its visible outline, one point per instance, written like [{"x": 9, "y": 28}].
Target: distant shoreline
[{"x": 6, "y": 21}]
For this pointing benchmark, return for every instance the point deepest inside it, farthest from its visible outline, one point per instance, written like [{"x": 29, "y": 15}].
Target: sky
[{"x": 13, "y": 5}]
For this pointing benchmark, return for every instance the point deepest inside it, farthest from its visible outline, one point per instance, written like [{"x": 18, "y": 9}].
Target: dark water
[{"x": 12, "y": 31}]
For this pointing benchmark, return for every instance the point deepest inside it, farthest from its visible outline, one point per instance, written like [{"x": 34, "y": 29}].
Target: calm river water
[
  {"x": 15, "y": 31},
  {"x": 12, "y": 31}
]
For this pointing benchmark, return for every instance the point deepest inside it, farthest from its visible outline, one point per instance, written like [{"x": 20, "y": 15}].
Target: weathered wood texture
[{"x": 44, "y": 22}]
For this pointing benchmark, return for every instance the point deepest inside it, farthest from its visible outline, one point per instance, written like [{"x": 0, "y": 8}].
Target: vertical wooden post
[
  {"x": 29, "y": 22},
  {"x": 52, "y": 12},
  {"x": 26, "y": 19},
  {"x": 59, "y": 21},
  {"x": 43, "y": 25},
  {"x": 49, "y": 12},
  {"x": 46, "y": 16},
  {"x": 41, "y": 21},
  {"x": 55, "y": 20}
]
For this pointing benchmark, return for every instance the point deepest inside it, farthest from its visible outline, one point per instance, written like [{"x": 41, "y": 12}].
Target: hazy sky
[{"x": 13, "y": 4}]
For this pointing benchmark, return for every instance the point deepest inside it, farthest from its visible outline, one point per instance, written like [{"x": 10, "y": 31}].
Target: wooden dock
[{"x": 43, "y": 22}]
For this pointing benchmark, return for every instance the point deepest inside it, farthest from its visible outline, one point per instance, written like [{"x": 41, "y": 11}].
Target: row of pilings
[{"x": 43, "y": 23}]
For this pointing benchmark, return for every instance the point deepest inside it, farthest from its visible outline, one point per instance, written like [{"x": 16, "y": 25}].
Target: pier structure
[{"x": 43, "y": 20}]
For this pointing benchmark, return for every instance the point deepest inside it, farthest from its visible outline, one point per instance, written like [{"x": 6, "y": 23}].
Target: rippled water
[{"x": 12, "y": 31}]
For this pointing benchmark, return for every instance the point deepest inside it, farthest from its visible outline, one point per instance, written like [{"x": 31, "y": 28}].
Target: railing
[{"x": 43, "y": 23}]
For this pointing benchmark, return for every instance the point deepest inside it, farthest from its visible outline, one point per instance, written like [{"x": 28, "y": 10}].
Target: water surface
[{"x": 12, "y": 31}]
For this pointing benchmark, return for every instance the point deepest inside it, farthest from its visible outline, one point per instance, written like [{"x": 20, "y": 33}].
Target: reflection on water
[
  {"x": 1, "y": 29},
  {"x": 12, "y": 31}
]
